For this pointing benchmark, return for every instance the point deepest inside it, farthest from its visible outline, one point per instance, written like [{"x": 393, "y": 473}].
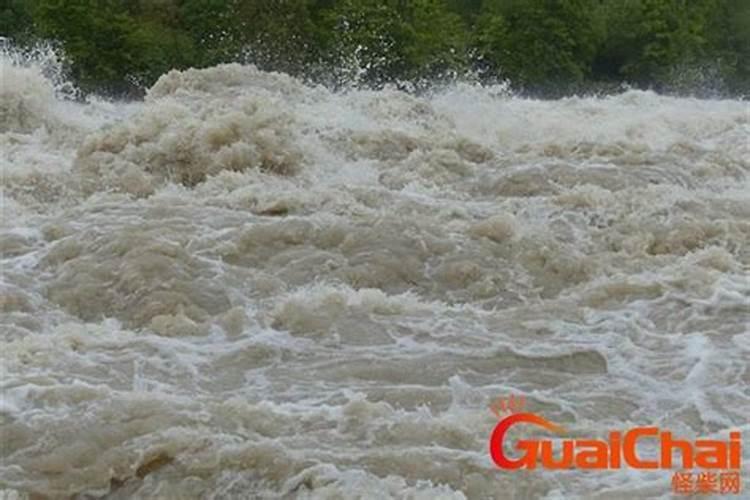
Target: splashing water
[{"x": 245, "y": 286}]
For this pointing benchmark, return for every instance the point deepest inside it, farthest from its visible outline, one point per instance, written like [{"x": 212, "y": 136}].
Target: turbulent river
[{"x": 249, "y": 287}]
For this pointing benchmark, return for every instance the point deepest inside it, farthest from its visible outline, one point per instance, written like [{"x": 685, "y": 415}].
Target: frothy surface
[{"x": 247, "y": 286}]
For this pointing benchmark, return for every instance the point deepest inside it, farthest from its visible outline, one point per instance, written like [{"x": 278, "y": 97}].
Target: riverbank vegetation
[{"x": 542, "y": 47}]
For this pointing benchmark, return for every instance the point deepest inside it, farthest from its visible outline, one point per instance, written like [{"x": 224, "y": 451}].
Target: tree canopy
[{"x": 546, "y": 47}]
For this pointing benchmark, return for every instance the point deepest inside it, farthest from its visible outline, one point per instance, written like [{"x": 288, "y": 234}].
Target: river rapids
[{"x": 244, "y": 286}]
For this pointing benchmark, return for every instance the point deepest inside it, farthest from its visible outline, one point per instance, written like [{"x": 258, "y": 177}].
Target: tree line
[{"x": 543, "y": 47}]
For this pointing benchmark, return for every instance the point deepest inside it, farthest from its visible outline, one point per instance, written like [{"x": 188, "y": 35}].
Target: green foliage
[
  {"x": 213, "y": 28},
  {"x": 671, "y": 33},
  {"x": 278, "y": 34},
  {"x": 157, "y": 49},
  {"x": 115, "y": 45},
  {"x": 538, "y": 43},
  {"x": 95, "y": 35},
  {"x": 15, "y": 19},
  {"x": 543, "y": 46},
  {"x": 370, "y": 34},
  {"x": 729, "y": 34},
  {"x": 674, "y": 44},
  {"x": 395, "y": 40},
  {"x": 439, "y": 40}
]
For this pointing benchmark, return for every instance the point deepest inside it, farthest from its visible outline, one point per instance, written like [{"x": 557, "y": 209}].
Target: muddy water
[{"x": 246, "y": 287}]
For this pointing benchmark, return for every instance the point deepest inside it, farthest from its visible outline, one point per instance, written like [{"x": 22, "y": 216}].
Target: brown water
[{"x": 245, "y": 287}]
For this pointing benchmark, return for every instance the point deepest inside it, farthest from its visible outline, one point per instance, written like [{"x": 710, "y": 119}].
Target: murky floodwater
[{"x": 245, "y": 287}]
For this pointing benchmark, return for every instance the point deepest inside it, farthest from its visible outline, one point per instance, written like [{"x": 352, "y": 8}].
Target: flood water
[{"x": 248, "y": 287}]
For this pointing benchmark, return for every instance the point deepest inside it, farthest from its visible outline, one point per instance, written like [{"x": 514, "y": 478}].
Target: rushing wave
[{"x": 244, "y": 286}]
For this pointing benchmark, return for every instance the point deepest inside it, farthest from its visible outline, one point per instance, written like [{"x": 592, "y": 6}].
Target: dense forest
[{"x": 543, "y": 47}]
